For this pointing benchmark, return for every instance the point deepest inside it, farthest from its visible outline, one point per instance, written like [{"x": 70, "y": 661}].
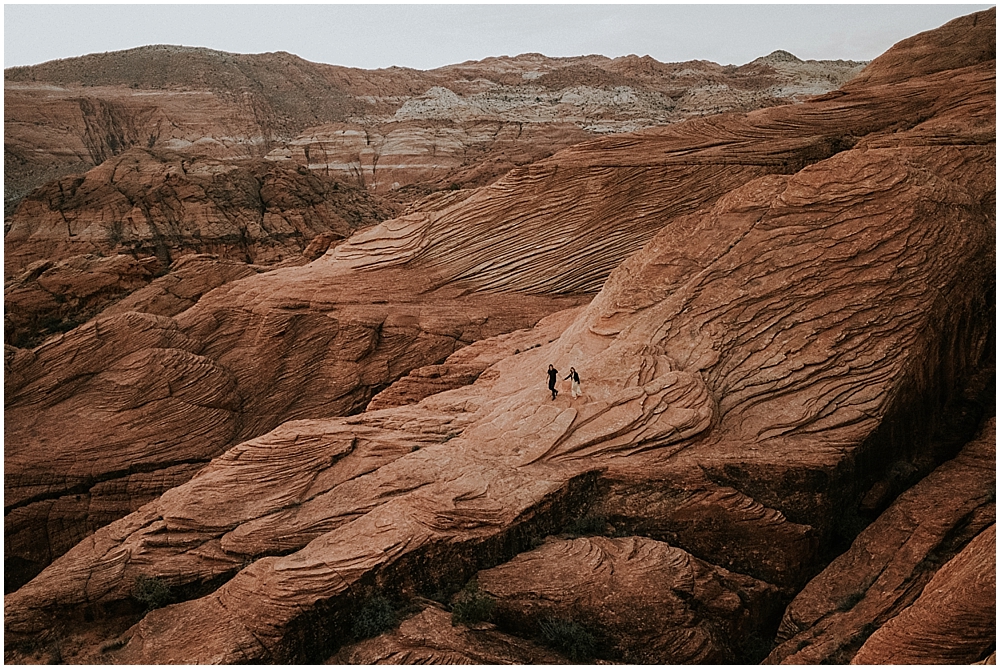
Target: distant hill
[{"x": 68, "y": 115}]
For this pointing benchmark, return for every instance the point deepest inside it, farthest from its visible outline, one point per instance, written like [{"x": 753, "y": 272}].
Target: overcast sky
[{"x": 427, "y": 36}]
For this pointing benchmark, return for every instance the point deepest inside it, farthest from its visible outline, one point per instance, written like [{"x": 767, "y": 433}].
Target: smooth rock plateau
[{"x": 341, "y": 448}]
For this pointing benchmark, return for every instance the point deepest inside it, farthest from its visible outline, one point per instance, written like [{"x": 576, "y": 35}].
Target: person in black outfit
[{"x": 553, "y": 375}]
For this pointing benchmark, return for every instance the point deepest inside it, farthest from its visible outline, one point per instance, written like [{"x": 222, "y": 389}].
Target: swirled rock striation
[{"x": 777, "y": 357}]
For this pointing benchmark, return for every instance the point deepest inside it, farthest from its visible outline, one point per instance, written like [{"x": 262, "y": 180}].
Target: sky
[{"x": 424, "y": 36}]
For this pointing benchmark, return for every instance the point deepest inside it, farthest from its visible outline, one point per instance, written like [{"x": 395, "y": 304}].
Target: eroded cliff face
[
  {"x": 776, "y": 351},
  {"x": 917, "y": 585},
  {"x": 148, "y": 205}
]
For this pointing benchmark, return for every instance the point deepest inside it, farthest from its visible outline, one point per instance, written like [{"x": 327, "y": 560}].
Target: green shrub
[
  {"x": 754, "y": 648},
  {"x": 569, "y": 638},
  {"x": 472, "y": 606},
  {"x": 850, "y": 601},
  {"x": 376, "y": 615},
  {"x": 587, "y": 526},
  {"x": 152, "y": 592}
]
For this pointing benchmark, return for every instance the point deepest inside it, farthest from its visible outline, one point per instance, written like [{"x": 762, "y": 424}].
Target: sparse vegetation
[
  {"x": 375, "y": 616},
  {"x": 152, "y": 592},
  {"x": 569, "y": 638},
  {"x": 472, "y": 606},
  {"x": 848, "y": 602},
  {"x": 588, "y": 525}
]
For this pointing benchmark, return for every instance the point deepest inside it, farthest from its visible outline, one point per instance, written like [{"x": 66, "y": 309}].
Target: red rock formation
[
  {"x": 145, "y": 204},
  {"x": 595, "y": 204},
  {"x": 83, "y": 411},
  {"x": 466, "y": 365},
  {"x": 430, "y": 638},
  {"x": 190, "y": 277},
  {"x": 648, "y": 602},
  {"x": 786, "y": 335},
  {"x": 57, "y": 296},
  {"x": 895, "y": 561},
  {"x": 202, "y": 102},
  {"x": 954, "y": 619}
]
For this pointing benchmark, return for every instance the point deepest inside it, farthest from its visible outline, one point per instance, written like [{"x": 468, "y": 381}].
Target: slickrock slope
[
  {"x": 190, "y": 277},
  {"x": 466, "y": 365},
  {"x": 885, "y": 582},
  {"x": 194, "y": 211},
  {"x": 96, "y": 420},
  {"x": 156, "y": 151},
  {"x": 594, "y": 204},
  {"x": 796, "y": 341},
  {"x": 953, "y": 620},
  {"x": 58, "y": 296}
]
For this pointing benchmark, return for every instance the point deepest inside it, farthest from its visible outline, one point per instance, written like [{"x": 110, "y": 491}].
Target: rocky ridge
[
  {"x": 209, "y": 103},
  {"x": 770, "y": 367},
  {"x": 147, "y": 205},
  {"x": 166, "y": 151}
]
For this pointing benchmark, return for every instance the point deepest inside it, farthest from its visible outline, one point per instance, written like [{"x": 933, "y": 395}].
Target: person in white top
[{"x": 576, "y": 392}]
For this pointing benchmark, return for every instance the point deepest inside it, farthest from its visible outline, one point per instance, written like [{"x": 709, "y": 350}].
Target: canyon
[{"x": 274, "y": 362}]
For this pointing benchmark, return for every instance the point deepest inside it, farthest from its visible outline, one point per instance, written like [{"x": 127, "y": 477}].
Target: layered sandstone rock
[
  {"x": 146, "y": 204},
  {"x": 595, "y": 204},
  {"x": 953, "y": 620},
  {"x": 57, "y": 296},
  {"x": 643, "y": 601},
  {"x": 466, "y": 365},
  {"x": 430, "y": 152},
  {"x": 202, "y": 102},
  {"x": 916, "y": 586},
  {"x": 785, "y": 338},
  {"x": 115, "y": 403},
  {"x": 190, "y": 277},
  {"x": 430, "y": 638}
]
